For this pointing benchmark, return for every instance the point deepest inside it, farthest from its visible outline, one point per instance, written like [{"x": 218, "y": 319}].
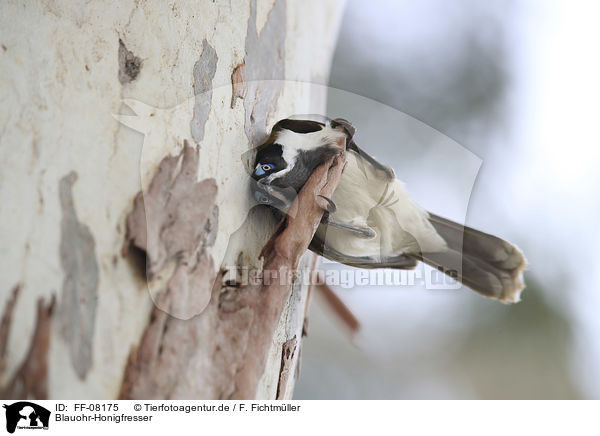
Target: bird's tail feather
[{"x": 485, "y": 263}]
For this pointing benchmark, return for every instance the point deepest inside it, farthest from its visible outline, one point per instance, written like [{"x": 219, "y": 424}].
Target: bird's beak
[{"x": 258, "y": 171}]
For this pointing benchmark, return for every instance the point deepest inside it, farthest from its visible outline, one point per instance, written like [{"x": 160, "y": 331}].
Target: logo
[{"x": 26, "y": 415}]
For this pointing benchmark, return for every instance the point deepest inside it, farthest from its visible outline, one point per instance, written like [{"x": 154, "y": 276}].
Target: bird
[{"x": 371, "y": 221}]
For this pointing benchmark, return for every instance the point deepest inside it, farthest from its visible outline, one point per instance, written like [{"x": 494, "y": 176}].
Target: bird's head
[{"x": 295, "y": 148}]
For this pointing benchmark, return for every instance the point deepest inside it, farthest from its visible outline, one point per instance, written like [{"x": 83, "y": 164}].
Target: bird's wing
[
  {"x": 318, "y": 246},
  {"x": 369, "y": 197}
]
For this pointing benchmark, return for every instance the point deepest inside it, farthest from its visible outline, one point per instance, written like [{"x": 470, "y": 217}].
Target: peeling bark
[
  {"x": 30, "y": 380},
  {"x": 239, "y": 86},
  {"x": 221, "y": 353},
  {"x": 339, "y": 308},
  {"x": 5, "y": 325},
  {"x": 172, "y": 224},
  {"x": 204, "y": 72},
  {"x": 288, "y": 352}
]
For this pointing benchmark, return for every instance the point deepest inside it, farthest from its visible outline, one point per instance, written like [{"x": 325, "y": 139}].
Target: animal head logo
[{"x": 26, "y": 415}]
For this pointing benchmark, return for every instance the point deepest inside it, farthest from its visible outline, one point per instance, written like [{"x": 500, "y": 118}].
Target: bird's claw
[{"x": 332, "y": 207}]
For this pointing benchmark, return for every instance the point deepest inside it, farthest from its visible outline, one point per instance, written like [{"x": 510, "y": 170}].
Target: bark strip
[
  {"x": 288, "y": 352},
  {"x": 339, "y": 308},
  {"x": 30, "y": 380},
  {"x": 222, "y": 353},
  {"x": 5, "y": 325}
]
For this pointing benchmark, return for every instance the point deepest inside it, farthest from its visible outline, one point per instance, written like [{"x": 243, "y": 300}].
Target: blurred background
[{"x": 488, "y": 111}]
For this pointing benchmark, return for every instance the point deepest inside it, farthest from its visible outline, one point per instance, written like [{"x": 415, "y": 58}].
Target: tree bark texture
[{"x": 127, "y": 225}]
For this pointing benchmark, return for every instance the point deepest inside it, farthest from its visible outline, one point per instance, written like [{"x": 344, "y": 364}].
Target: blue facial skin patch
[{"x": 259, "y": 171}]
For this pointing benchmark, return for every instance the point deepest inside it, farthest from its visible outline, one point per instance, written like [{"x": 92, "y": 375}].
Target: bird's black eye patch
[
  {"x": 299, "y": 126},
  {"x": 270, "y": 156}
]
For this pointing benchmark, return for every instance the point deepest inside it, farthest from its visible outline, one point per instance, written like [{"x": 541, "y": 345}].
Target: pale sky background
[{"x": 511, "y": 86}]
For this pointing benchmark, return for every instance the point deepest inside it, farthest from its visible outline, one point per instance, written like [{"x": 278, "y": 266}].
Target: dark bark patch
[
  {"x": 204, "y": 72},
  {"x": 5, "y": 325},
  {"x": 129, "y": 64},
  {"x": 79, "y": 299},
  {"x": 30, "y": 380}
]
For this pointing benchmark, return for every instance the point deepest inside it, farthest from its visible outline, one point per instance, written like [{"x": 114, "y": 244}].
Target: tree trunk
[{"x": 129, "y": 233}]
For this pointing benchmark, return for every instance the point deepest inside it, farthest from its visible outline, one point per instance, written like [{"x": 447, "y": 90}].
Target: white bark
[{"x": 71, "y": 170}]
